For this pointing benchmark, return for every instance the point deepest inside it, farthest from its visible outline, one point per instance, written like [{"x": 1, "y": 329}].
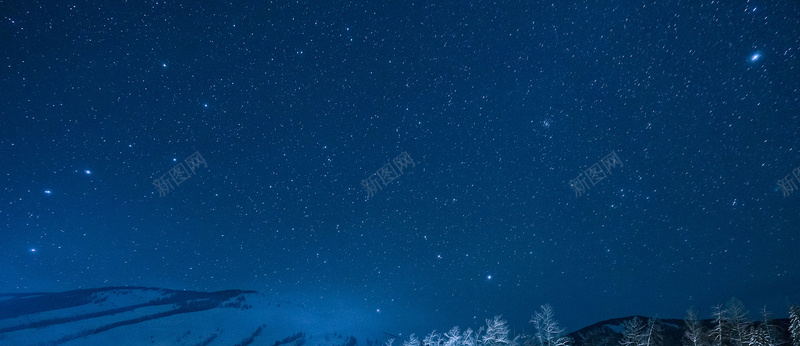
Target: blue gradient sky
[{"x": 499, "y": 104}]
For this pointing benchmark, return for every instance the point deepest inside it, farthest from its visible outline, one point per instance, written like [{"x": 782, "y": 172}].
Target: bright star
[
  {"x": 87, "y": 171},
  {"x": 755, "y": 57},
  {"x": 48, "y": 192},
  {"x": 488, "y": 277},
  {"x": 33, "y": 250}
]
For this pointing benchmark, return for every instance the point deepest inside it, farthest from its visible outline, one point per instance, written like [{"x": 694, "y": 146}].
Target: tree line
[{"x": 729, "y": 326}]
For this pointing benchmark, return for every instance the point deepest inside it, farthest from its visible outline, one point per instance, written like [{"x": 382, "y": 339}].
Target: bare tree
[
  {"x": 453, "y": 337},
  {"x": 497, "y": 333},
  {"x": 719, "y": 334},
  {"x": 654, "y": 335},
  {"x": 770, "y": 330},
  {"x": 737, "y": 316},
  {"x": 471, "y": 338},
  {"x": 695, "y": 334},
  {"x": 548, "y": 332},
  {"x": 412, "y": 341},
  {"x": 594, "y": 337},
  {"x": 634, "y": 333},
  {"x": 433, "y": 339}
]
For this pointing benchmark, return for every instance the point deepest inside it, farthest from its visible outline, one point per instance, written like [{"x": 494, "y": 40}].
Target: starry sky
[{"x": 468, "y": 120}]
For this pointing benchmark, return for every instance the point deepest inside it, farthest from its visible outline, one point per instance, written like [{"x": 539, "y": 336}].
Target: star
[
  {"x": 88, "y": 172},
  {"x": 755, "y": 57},
  {"x": 47, "y": 192}
]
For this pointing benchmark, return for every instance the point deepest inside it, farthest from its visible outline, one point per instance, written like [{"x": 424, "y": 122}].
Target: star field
[{"x": 302, "y": 112}]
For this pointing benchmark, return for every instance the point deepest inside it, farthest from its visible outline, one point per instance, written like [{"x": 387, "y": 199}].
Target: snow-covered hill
[{"x": 150, "y": 316}]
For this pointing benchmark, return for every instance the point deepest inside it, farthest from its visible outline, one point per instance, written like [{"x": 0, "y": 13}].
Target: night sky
[{"x": 469, "y": 120}]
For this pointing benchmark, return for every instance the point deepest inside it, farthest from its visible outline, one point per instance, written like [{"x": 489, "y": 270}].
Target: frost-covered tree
[
  {"x": 595, "y": 337},
  {"x": 695, "y": 334},
  {"x": 497, "y": 333},
  {"x": 794, "y": 324},
  {"x": 638, "y": 333},
  {"x": 634, "y": 332},
  {"x": 433, "y": 339},
  {"x": 737, "y": 318},
  {"x": 548, "y": 332},
  {"x": 756, "y": 336},
  {"x": 471, "y": 338},
  {"x": 719, "y": 333},
  {"x": 412, "y": 341},
  {"x": 772, "y": 336},
  {"x": 654, "y": 335},
  {"x": 452, "y": 338}
]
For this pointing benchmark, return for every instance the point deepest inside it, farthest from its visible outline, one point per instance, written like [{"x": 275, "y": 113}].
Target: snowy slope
[{"x": 150, "y": 316}]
